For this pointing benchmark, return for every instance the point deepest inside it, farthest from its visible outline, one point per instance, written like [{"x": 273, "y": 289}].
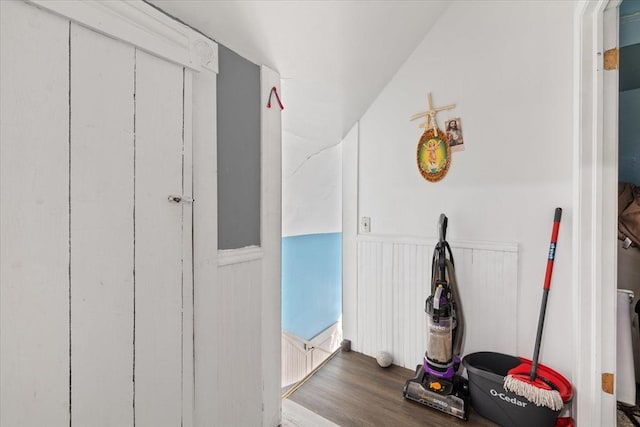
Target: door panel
[
  {"x": 188, "y": 291},
  {"x": 96, "y": 295},
  {"x": 34, "y": 217},
  {"x": 102, "y": 240},
  {"x": 158, "y": 236}
]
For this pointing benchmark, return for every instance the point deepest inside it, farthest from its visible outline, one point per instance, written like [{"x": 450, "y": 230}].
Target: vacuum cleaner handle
[
  {"x": 442, "y": 227},
  {"x": 545, "y": 293}
]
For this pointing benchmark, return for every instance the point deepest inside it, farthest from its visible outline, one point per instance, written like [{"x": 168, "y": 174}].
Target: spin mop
[{"x": 525, "y": 379}]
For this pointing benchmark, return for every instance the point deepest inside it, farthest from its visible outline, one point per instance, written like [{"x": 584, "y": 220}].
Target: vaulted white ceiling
[{"x": 334, "y": 56}]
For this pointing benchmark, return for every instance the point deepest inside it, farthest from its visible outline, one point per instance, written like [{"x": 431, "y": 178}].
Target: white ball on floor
[{"x": 384, "y": 359}]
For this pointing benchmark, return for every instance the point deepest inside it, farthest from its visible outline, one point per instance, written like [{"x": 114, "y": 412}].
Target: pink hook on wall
[{"x": 275, "y": 90}]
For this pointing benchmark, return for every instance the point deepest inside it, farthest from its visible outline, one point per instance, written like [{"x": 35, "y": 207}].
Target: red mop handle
[
  {"x": 545, "y": 292},
  {"x": 552, "y": 248}
]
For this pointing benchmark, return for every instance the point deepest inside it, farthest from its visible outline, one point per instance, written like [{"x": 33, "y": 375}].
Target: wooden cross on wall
[{"x": 430, "y": 115}]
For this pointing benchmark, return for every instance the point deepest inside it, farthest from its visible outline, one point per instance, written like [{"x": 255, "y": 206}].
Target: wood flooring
[
  {"x": 295, "y": 415},
  {"x": 352, "y": 390}
]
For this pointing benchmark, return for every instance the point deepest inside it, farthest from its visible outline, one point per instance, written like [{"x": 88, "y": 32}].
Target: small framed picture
[{"x": 454, "y": 134}]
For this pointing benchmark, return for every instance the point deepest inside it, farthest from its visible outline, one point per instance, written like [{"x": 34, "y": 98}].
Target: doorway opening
[
  {"x": 628, "y": 251},
  {"x": 311, "y": 253}
]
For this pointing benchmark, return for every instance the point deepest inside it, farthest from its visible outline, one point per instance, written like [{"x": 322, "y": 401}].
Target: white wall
[
  {"x": 349, "y": 147},
  {"x": 311, "y": 188},
  {"x": 311, "y": 182},
  {"x": 508, "y": 67}
]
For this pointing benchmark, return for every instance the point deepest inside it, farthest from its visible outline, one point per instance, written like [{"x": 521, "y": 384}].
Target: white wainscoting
[
  {"x": 299, "y": 356},
  {"x": 294, "y": 359},
  {"x": 394, "y": 275},
  {"x": 238, "y": 358}
]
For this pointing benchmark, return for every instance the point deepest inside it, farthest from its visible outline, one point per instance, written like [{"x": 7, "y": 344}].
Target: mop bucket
[{"x": 486, "y": 371}]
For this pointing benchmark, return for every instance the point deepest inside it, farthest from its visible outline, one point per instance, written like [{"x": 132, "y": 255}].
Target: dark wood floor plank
[{"x": 352, "y": 390}]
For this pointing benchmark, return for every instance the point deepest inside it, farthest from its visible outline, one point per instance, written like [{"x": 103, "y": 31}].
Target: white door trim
[
  {"x": 142, "y": 25},
  {"x": 271, "y": 242},
  {"x": 594, "y": 204}
]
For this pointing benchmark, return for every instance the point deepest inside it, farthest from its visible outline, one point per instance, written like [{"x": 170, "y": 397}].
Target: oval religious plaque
[{"x": 433, "y": 155}]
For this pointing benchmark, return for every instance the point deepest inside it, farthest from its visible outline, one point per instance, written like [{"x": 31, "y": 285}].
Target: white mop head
[{"x": 539, "y": 396}]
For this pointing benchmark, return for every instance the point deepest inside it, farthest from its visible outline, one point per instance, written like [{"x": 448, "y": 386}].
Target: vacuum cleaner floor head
[{"x": 448, "y": 396}]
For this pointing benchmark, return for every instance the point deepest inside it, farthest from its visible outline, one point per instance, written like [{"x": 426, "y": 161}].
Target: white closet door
[
  {"x": 102, "y": 226},
  {"x": 159, "y": 257},
  {"x": 34, "y": 217},
  {"x": 96, "y": 291}
]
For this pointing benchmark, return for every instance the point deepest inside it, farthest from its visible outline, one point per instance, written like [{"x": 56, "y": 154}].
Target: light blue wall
[{"x": 311, "y": 283}]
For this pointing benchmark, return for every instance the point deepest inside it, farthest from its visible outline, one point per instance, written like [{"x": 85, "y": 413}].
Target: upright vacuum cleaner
[{"x": 437, "y": 383}]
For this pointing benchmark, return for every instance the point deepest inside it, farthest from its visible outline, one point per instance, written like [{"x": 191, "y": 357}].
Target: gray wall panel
[{"x": 238, "y": 151}]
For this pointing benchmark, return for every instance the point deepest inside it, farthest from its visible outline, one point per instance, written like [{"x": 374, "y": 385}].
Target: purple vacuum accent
[{"x": 448, "y": 374}]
